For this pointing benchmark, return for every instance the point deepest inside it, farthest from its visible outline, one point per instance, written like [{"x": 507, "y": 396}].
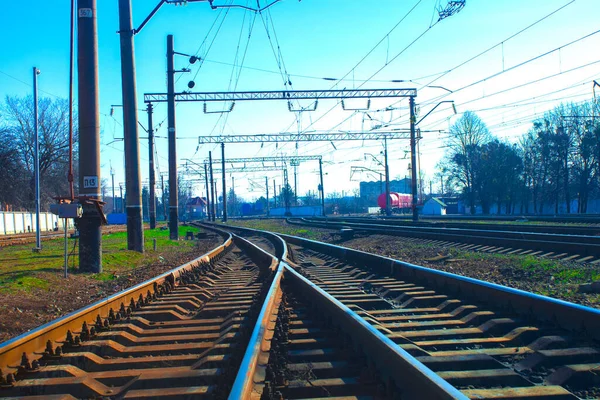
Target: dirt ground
[
  {"x": 22, "y": 311},
  {"x": 547, "y": 277}
]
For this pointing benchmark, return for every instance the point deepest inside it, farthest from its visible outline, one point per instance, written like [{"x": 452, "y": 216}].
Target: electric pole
[
  {"x": 274, "y": 194},
  {"x": 217, "y": 201},
  {"x": 295, "y": 185},
  {"x": 232, "y": 211},
  {"x": 112, "y": 174},
  {"x": 388, "y": 209},
  {"x": 207, "y": 191},
  {"x": 224, "y": 182},
  {"x": 38, "y": 238},
  {"x": 151, "y": 172},
  {"x": 286, "y": 195},
  {"x": 267, "y": 186},
  {"x": 89, "y": 225},
  {"x": 164, "y": 200},
  {"x": 213, "y": 210},
  {"x": 121, "y": 197},
  {"x": 321, "y": 188},
  {"x": 413, "y": 159},
  {"x": 135, "y": 228},
  {"x": 173, "y": 187}
]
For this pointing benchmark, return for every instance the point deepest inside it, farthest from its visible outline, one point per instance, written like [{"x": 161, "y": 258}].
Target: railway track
[
  {"x": 510, "y": 226},
  {"x": 560, "y": 218},
  {"x": 309, "y": 320},
  {"x": 578, "y": 248},
  {"x": 486, "y": 340},
  {"x": 180, "y": 335}
]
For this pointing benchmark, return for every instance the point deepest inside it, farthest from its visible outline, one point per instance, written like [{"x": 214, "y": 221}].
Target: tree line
[
  {"x": 17, "y": 181},
  {"x": 555, "y": 163}
]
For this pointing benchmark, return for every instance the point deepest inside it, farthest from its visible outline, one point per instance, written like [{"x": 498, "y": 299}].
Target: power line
[
  {"x": 502, "y": 42},
  {"x": 486, "y": 96}
]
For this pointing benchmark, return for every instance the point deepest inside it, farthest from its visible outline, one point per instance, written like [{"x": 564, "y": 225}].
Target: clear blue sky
[{"x": 319, "y": 39}]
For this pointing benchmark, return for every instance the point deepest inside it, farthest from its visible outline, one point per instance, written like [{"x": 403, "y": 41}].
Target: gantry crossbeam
[
  {"x": 283, "y": 95},
  {"x": 305, "y": 137}
]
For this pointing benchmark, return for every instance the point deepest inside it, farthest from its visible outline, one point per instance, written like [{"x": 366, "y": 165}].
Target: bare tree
[
  {"x": 12, "y": 176},
  {"x": 53, "y": 131},
  {"x": 466, "y": 135}
]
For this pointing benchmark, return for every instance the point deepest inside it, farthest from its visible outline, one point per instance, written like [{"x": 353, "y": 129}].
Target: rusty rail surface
[
  {"x": 309, "y": 345},
  {"x": 487, "y": 340},
  {"x": 314, "y": 320},
  {"x": 181, "y": 334},
  {"x": 513, "y": 225},
  {"x": 35, "y": 340},
  {"x": 568, "y": 247}
]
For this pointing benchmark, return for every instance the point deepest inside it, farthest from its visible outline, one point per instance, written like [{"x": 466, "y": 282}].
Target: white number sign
[
  {"x": 90, "y": 182},
  {"x": 85, "y": 13}
]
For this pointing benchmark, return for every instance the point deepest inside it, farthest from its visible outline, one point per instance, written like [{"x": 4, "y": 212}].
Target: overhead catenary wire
[
  {"x": 501, "y": 42},
  {"x": 473, "y": 58}
]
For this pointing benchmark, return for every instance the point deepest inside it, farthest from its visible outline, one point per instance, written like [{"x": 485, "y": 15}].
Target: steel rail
[
  {"x": 560, "y": 218},
  {"x": 579, "y": 245},
  {"x": 470, "y": 232},
  {"x": 566, "y": 315},
  {"x": 34, "y": 341},
  {"x": 512, "y": 226},
  {"x": 414, "y": 379},
  {"x": 181, "y": 332},
  {"x": 440, "y": 331}
]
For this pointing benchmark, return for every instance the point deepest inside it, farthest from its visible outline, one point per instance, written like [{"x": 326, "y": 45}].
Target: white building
[{"x": 434, "y": 206}]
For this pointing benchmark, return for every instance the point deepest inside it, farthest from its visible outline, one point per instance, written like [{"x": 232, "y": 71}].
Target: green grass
[{"x": 23, "y": 270}]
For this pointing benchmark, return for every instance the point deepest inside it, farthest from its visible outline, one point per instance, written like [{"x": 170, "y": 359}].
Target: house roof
[
  {"x": 441, "y": 203},
  {"x": 196, "y": 201}
]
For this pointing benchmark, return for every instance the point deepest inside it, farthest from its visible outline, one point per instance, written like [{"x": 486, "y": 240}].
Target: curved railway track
[
  {"x": 486, "y": 340},
  {"x": 309, "y": 320},
  {"x": 581, "y": 248},
  {"x": 508, "y": 225},
  {"x": 560, "y": 218}
]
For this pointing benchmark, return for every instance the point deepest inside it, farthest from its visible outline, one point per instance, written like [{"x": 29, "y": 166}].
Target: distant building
[
  {"x": 195, "y": 208},
  {"x": 369, "y": 191},
  {"x": 453, "y": 205},
  {"x": 434, "y": 206}
]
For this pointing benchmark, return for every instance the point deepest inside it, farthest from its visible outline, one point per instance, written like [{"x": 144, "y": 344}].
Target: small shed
[{"x": 434, "y": 206}]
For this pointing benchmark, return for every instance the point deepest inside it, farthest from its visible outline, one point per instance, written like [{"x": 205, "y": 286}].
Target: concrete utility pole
[
  {"x": 135, "y": 228},
  {"x": 90, "y": 230},
  {"x": 232, "y": 211},
  {"x": 164, "y": 200},
  {"x": 413, "y": 159},
  {"x": 388, "y": 209},
  {"x": 267, "y": 186},
  {"x": 321, "y": 189},
  {"x": 173, "y": 186},
  {"x": 274, "y": 194},
  {"x": 295, "y": 185},
  {"x": 217, "y": 201},
  {"x": 36, "y": 161},
  {"x": 112, "y": 175},
  {"x": 151, "y": 172},
  {"x": 121, "y": 197},
  {"x": 207, "y": 191},
  {"x": 224, "y": 182},
  {"x": 213, "y": 210}
]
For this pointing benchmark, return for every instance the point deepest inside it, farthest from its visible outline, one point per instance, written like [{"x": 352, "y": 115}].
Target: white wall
[
  {"x": 23, "y": 222},
  {"x": 432, "y": 207}
]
